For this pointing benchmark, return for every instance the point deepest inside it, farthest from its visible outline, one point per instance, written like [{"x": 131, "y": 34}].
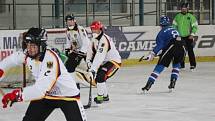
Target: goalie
[
  {"x": 54, "y": 86},
  {"x": 77, "y": 43}
]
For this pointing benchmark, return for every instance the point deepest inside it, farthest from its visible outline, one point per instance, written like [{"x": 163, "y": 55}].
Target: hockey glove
[
  {"x": 150, "y": 56},
  {"x": 1, "y": 73},
  {"x": 190, "y": 37},
  {"x": 89, "y": 65},
  {"x": 92, "y": 74},
  {"x": 14, "y": 96}
]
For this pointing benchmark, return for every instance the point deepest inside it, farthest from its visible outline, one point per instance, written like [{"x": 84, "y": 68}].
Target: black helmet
[
  {"x": 37, "y": 36},
  {"x": 69, "y": 17}
]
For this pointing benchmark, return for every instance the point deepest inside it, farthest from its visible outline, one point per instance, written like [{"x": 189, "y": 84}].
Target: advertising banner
[{"x": 132, "y": 42}]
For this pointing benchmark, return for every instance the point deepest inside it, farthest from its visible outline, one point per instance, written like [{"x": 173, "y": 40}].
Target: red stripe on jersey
[
  {"x": 109, "y": 47},
  {"x": 58, "y": 69}
]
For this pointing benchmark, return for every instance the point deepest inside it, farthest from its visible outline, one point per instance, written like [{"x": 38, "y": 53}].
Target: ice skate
[
  {"x": 172, "y": 85},
  {"x": 106, "y": 98},
  {"x": 99, "y": 99},
  {"x": 147, "y": 87},
  {"x": 192, "y": 68}
]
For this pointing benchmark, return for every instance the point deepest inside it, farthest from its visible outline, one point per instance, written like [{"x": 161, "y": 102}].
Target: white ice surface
[{"x": 192, "y": 100}]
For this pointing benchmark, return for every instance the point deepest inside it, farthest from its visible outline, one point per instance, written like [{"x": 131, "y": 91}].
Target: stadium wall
[{"x": 132, "y": 42}]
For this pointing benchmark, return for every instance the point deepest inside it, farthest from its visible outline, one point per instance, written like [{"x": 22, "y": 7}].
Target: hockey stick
[
  {"x": 24, "y": 75},
  {"x": 142, "y": 58},
  {"x": 90, "y": 96}
]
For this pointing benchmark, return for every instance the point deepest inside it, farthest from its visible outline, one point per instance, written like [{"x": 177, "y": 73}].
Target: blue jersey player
[{"x": 169, "y": 48}]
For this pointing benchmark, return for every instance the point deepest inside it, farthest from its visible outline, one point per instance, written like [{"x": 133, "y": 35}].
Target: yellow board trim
[{"x": 131, "y": 62}]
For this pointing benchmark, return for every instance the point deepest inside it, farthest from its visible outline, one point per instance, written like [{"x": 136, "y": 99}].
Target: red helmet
[{"x": 96, "y": 25}]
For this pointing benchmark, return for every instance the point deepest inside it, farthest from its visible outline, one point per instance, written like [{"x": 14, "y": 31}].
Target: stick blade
[
  {"x": 87, "y": 106},
  {"x": 141, "y": 58}
]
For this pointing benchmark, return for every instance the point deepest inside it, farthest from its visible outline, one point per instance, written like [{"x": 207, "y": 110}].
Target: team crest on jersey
[{"x": 49, "y": 64}]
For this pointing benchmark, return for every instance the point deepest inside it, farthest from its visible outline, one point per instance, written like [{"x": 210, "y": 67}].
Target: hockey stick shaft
[
  {"x": 90, "y": 96},
  {"x": 24, "y": 76},
  {"x": 142, "y": 58}
]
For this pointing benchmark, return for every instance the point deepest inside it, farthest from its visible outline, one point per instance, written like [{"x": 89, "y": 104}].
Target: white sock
[{"x": 102, "y": 89}]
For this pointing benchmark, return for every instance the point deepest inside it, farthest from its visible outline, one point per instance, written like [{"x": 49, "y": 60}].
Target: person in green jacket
[{"x": 187, "y": 26}]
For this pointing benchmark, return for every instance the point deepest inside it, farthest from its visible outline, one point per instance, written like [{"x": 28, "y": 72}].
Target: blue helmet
[{"x": 164, "y": 21}]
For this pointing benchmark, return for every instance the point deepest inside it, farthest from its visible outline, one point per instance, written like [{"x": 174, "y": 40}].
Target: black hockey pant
[{"x": 39, "y": 110}]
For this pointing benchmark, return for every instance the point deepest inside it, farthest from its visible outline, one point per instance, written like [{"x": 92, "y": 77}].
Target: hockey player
[
  {"x": 169, "y": 48},
  {"x": 77, "y": 43},
  {"x": 54, "y": 87},
  {"x": 105, "y": 60}
]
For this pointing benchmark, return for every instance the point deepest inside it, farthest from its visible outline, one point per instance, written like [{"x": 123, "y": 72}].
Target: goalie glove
[
  {"x": 150, "y": 56},
  {"x": 14, "y": 96}
]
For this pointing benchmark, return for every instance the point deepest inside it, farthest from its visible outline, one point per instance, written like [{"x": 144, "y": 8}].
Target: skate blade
[
  {"x": 142, "y": 92},
  {"x": 170, "y": 90},
  {"x": 192, "y": 70},
  {"x": 93, "y": 105}
]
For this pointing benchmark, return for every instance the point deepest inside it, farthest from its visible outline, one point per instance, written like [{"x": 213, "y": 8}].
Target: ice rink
[{"x": 192, "y": 100}]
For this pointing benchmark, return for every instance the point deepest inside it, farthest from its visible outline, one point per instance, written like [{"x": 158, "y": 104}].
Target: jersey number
[{"x": 175, "y": 33}]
